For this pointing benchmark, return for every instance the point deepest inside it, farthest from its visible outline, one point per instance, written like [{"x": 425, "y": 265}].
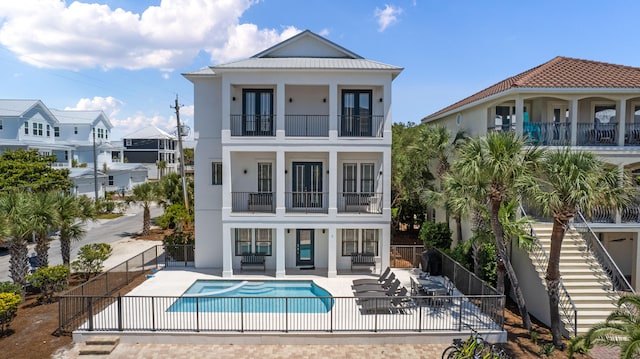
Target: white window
[
  {"x": 75, "y": 130},
  {"x": 0, "y": 124},
  {"x": 367, "y": 178},
  {"x": 349, "y": 241},
  {"x": 39, "y": 129},
  {"x": 258, "y": 240},
  {"x": 26, "y": 127},
  {"x": 264, "y": 177},
  {"x": 56, "y": 131},
  {"x": 216, "y": 173},
  {"x": 48, "y": 131},
  {"x": 360, "y": 241},
  {"x": 350, "y": 177},
  {"x": 127, "y": 142}
]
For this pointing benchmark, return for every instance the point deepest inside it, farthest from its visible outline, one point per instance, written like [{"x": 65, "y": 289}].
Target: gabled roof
[
  {"x": 558, "y": 73},
  {"x": 299, "y": 46},
  {"x": 304, "y": 51},
  {"x": 149, "y": 132},
  {"x": 70, "y": 117},
  {"x": 18, "y": 108}
]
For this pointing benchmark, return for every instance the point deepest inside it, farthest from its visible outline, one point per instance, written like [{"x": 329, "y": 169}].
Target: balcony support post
[
  {"x": 573, "y": 113},
  {"x": 621, "y": 114},
  {"x": 519, "y": 115}
]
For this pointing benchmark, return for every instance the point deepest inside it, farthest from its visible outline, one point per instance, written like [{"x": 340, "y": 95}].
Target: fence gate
[{"x": 405, "y": 256}]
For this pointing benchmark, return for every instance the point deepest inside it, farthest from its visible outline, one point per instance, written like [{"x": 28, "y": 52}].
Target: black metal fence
[
  {"x": 290, "y": 314},
  {"x": 76, "y": 303}
]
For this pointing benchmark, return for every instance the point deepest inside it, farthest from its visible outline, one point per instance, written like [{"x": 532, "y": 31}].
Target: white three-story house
[{"x": 293, "y": 158}]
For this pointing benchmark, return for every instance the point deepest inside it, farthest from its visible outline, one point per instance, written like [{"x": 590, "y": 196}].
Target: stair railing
[
  {"x": 567, "y": 308},
  {"x": 619, "y": 282}
]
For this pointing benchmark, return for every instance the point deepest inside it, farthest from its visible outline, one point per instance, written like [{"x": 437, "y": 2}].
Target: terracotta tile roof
[{"x": 559, "y": 72}]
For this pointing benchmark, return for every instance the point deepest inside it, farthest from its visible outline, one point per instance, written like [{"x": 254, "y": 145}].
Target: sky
[{"x": 126, "y": 57}]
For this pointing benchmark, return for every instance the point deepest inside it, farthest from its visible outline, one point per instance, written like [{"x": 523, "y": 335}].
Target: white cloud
[
  {"x": 50, "y": 33},
  {"x": 109, "y": 105},
  {"x": 387, "y": 16}
]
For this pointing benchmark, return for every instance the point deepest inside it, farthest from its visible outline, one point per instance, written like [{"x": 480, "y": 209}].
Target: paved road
[{"x": 101, "y": 231}]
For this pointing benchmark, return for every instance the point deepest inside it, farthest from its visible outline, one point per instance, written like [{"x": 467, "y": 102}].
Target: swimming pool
[{"x": 254, "y": 297}]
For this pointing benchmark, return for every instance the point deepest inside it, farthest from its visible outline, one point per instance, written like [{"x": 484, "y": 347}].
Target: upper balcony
[
  {"x": 593, "y": 121},
  {"x": 307, "y": 111}
]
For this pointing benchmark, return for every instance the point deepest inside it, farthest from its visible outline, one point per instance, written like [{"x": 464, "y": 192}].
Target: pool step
[{"x": 102, "y": 345}]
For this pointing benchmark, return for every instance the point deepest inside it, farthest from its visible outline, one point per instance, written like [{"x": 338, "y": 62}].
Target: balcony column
[
  {"x": 226, "y": 106},
  {"x": 635, "y": 268},
  {"x": 332, "y": 271},
  {"x": 280, "y": 110},
  {"x": 519, "y": 115},
  {"x": 618, "y": 217},
  {"x": 281, "y": 176},
  {"x": 621, "y": 114},
  {"x": 227, "y": 251},
  {"x": 573, "y": 113},
  {"x": 385, "y": 248},
  {"x": 281, "y": 271},
  {"x": 333, "y": 111},
  {"x": 386, "y": 183},
  {"x": 227, "y": 188},
  {"x": 333, "y": 182}
]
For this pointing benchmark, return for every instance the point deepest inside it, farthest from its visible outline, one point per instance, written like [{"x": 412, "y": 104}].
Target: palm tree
[
  {"x": 620, "y": 329},
  {"x": 498, "y": 166},
  {"x": 162, "y": 166},
  {"x": 144, "y": 194},
  {"x": 14, "y": 213},
  {"x": 436, "y": 143},
  {"x": 568, "y": 182},
  {"x": 43, "y": 219},
  {"x": 73, "y": 212}
]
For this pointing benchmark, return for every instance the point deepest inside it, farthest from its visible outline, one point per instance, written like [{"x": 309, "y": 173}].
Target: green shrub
[
  {"x": 91, "y": 259},
  {"x": 435, "y": 234},
  {"x": 461, "y": 254},
  {"x": 49, "y": 280},
  {"x": 10, "y": 287},
  {"x": 173, "y": 215},
  {"x": 8, "y": 308},
  {"x": 487, "y": 254}
]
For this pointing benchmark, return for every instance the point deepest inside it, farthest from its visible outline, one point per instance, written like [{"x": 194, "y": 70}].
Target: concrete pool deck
[{"x": 173, "y": 282}]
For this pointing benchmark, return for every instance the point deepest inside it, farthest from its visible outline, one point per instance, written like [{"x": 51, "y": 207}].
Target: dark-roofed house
[{"x": 587, "y": 105}]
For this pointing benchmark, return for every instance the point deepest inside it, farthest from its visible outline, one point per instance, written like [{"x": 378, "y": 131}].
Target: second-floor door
[
  {"x": 356, "y": 113},
  {"x": 307, "y": 185}
]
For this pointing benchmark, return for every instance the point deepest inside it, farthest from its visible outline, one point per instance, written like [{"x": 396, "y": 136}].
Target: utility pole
[
  {"x": 184, "y": 180},
  {"x": 95, "y": 166}
]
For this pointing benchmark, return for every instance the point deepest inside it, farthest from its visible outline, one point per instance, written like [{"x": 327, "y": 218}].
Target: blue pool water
[{"x": 254, "y": 297}]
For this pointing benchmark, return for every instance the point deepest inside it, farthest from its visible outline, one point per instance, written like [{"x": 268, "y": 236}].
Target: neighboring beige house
[
  {"x": 586, "y": 105},
  {"x": 293, "y": 158}
]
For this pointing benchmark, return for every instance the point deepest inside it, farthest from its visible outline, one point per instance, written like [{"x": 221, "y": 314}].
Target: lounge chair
[
  {"x": 367, "y": 287},
  {"x": 399, "y": 303},
  {"x": 391, "y": 291},
  {"x": 380, "y": 279}
]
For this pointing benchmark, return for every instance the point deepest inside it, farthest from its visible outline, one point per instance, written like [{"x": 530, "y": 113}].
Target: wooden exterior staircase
[{"x": 586, "y": 283}]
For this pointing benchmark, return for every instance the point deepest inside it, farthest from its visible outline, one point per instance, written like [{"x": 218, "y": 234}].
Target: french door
[
  {"x": 356, "y": 113},
  {"x": 257, "y": 112},
  {"x": 307, "y": 185}
]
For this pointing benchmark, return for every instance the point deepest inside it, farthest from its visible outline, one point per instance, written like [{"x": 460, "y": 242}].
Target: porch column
[
  {"x": 333, "y": 182},
  {"x": 385, "y": 247},
  {"x": 226, "y": 106},
  {"x": 226, "y": 182},
  {"x": 281, "y": 168},
  {"x": 333, "y": 111},
  {"x": 280, "y": 252},
  {"x": 519, "y": 114},
  {"x": 280, "y": 110},
  {"x": 621, "y": 114},
  {"x": 573, "y": 113},
  {"x": 227, "y": 251},
  {"x": 635, "y": 269},
  {"x": 332, "y": 271}
]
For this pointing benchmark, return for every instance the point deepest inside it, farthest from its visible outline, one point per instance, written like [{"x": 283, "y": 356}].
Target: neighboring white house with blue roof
[{"x": 68, "y": 135}]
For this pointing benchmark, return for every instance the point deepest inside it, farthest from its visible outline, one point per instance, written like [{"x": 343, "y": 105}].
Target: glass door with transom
[
  {"x": 304, "y": 247},
  {"x": 307, "y": 185}
]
